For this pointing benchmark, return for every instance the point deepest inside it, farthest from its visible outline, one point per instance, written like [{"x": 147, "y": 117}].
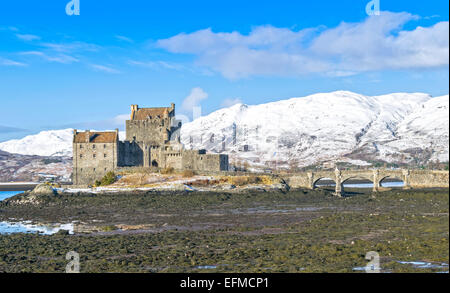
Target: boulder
[{"x": 43, "y": 189}]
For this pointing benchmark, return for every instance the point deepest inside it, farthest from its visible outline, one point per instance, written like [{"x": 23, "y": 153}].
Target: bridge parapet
[{"x": 411, "y": 178}]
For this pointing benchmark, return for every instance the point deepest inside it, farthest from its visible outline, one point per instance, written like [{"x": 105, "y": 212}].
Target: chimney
[
  {"x": 134, "y": 109},
  {"x": 172, "y": 105},
  {"x": 117, "y": 134},
  {"x": 75, "y": 132},
  {"x": 88, "y": 136}
]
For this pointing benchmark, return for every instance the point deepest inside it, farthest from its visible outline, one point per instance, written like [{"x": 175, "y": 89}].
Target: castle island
[{"x": 152, "y": 141}]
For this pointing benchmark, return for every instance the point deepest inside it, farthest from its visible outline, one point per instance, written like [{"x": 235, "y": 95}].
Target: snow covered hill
[
  {"x": 327, "y": 127},
  {"x": 338, "y": 126},
  {"x": 45, "y": 143}
]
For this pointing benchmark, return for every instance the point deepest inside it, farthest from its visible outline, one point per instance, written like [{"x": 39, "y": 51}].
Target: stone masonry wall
[
  {"x": 91, "y": 161},
  {"x": 155, "y": 131}
]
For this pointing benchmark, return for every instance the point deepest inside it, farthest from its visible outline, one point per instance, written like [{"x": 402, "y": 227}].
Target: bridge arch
[
  {"x": 392, "y": 181},
  {"x": 364, "y": 182},
  {"x": 324, "y": 182}
]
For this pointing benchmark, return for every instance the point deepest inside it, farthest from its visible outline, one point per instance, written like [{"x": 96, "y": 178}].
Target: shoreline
[{"x": 17, "y": 186}]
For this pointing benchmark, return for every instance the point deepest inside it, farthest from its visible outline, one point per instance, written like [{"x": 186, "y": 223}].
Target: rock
[
  {"x": 62, "y": 232},
  {"x": 85, "y": 229},
  {"x": 228, "y": 187},
  {"x": 43, "y": 189}
]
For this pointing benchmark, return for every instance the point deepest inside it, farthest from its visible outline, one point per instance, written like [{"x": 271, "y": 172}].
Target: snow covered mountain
[
  {"x": 45, "y": 143},
  {"x": 329, "y": 127},
  {"x": 338, "y": 126}
]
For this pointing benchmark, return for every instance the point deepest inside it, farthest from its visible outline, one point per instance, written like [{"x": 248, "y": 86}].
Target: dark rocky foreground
[{"x": 297, "y": 231}]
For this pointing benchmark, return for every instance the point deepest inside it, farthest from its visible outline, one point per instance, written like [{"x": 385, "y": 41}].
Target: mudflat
[{"x": 296, "y": 231}]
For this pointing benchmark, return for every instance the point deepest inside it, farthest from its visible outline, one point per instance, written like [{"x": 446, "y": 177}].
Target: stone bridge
[{"x": 410, "y": 178}]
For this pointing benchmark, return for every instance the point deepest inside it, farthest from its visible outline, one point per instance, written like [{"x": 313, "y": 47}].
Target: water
[
  {"x": 424, "y": 265},
  {"x": 27, "y": 227},
  {"x": 7, "y": 194},
  {"x": 206, "y": 267},
  {"x": 395, "y": 184}
]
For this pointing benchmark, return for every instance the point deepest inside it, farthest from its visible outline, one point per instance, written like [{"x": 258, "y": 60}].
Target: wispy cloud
[
  {"x": 9, "y": 62},
  {"x": 7, "y": 129},
  {"x": 158, "y": 65},
  {"x": 71, "y": 47},
  {"x": 123, "y": 38},
  {"x": 60, "y": 58},
  {"x": 28, "y": 37},
  {"x": 103, "y": 68},
  {"x": 106, "y": 124},
  {"x": 230, "y": 102},
  {"x": 377, "y": 43}
]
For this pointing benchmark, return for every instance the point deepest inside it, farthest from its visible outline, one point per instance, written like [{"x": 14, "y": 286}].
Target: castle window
[
  {"x": 94, "y": 169},
  {"x": 104, "y": 155},
  {"x": 81, "y": 146},
  {"x": 81, "y": 169},
  {"x": 93, "y": 146},
  {"x": 104, "y": 146},
  {"x": 81, "y": 156},
  {"x": 94, "y": 155},
  {"x": 105, "y": 169}
]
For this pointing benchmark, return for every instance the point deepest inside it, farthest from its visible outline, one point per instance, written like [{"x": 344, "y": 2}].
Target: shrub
[
  {"x": 168, "y": 170},
  {"x": 48, "y": 161},
  {"x": 108, "y": 228},
  {"x": 266, "y": 180},
  {"x": 108, "y": 179},
  {"x": 188, "y": 173},
  {"x": 245, "y": 180}
]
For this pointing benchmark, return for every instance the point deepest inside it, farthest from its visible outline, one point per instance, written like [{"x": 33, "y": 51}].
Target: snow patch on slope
[{"x": 45, "y": 143}]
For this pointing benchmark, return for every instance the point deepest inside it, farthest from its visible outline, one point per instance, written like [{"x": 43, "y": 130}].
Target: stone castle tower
[{"x": 152, "y": 141}]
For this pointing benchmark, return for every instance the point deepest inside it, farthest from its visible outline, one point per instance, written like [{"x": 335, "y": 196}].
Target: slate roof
[
  {"x": 144, "y": 113},
  {"x": 96, "y": 137}
]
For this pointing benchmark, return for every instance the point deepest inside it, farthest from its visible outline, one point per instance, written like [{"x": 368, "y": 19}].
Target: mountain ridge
[{"x": 303, "y": 131}]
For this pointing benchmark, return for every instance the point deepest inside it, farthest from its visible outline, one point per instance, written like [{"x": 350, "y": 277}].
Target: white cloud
[
  {"x": 71, "y": 47},
  {"x": 103, "y": 68},
  {"x": 9, "y": 62},
  {"x": 123, "y": 38},
  {"x": 194, "y": 99},
  {"x": 157, "y": 65},
  {"x": 119, "y": 120},
  {"x": 377, "y": 43},
  {"x": 230, "y": 102},
  {"x": 60, "y": 58},
  {"x": 25, "y": 37}
]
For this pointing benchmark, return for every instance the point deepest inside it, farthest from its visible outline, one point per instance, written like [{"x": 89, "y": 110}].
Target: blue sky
[{"x": 59, "y": 71}]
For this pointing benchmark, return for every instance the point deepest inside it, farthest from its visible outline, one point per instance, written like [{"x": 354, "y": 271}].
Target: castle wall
[
  {"x": 155, "y": 131},
  {"x": 199, "y": 160},
  {"x": 91, "y": 161},
  {"x": 174, "y": 160},
  {"x": 131, "y": 154}
]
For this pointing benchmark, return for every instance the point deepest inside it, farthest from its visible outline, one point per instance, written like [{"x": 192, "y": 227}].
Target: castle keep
[{"x": 152, "y": 140}]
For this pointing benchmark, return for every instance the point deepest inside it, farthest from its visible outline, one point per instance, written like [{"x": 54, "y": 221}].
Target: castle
[{"x": 152, "y": 141}]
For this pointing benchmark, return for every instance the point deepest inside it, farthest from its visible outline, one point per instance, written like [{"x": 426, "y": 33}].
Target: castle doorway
[{"x": 154, "y": 163}]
